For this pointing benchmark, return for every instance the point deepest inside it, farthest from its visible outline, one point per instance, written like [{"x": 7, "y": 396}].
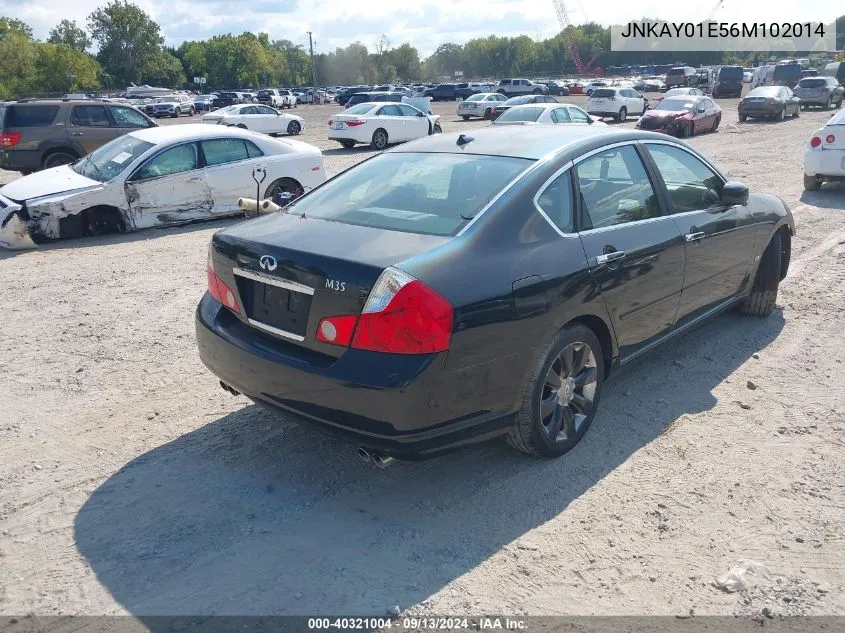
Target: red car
[
  {"x": 575, "y": 88},
  {"x": 682, "y": 116}
]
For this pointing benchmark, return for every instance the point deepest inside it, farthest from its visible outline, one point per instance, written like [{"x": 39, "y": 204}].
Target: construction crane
[{"x": 569, "y": 42}]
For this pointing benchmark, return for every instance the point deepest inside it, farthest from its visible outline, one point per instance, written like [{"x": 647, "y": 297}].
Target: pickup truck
[
  {"x": 518, "y": 87},
  {"x": 277, "y": 98}
]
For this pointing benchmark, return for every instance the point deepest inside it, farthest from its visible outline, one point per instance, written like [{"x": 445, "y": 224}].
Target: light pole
[{"x": 313, "y": 68}]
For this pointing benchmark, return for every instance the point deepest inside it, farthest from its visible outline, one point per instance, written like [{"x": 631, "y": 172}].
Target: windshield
[
  {"x": 112, "y": 158},
  {"x": 361, "y": 108},
  {"x": 730, "y": 73},
  {"x": 518, "y": 100},
  {"x": 521, "y": 114},
  {"x": 434, "y": 194},
  {"x": 675, "y": 105}
]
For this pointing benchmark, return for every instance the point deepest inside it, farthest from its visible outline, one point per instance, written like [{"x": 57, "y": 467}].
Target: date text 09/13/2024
[{"x": 419, "y": 623}]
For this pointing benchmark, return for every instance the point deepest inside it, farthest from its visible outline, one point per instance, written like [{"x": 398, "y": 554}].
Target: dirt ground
[{"x": 131, "y": 483}]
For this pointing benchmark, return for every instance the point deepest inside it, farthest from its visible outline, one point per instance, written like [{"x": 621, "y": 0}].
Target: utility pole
[{"x": 313, "y": 68}]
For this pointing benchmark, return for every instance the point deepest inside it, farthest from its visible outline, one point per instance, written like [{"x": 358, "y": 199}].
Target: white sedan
[
  {"x": 256, "y": 117},
  {"x": 547, "y": 114},
  {"x": 824, "y": 158},
  {"x": 379, "y": 124},
  {"x": 155, "y": 176},
  {"x": 480, "y": 104}
]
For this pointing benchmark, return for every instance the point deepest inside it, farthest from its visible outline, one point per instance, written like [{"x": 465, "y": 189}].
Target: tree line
[{"x": 130, "y": 49}]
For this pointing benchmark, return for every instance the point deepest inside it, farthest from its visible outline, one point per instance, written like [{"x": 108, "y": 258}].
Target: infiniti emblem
[{"x": 268, "y": 262}]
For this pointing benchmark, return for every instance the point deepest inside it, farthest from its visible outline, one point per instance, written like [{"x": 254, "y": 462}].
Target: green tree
[
  {"x": 165, "y": 69},
  {"x": 406, "y": 60},
  {"x": 61, "y": 68},
  {"x": 18, "y": 57},
  {"x": 129, "y": 40},
  {"x": 69, "y": 34},
  {"x": 10, "y": 26}
]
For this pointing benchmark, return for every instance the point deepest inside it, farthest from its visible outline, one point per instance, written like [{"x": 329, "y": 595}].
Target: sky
[{"x": 424, "y": 23}]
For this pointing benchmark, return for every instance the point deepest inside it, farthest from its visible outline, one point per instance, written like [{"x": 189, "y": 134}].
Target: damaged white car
[{"x": 153, "y": 177}]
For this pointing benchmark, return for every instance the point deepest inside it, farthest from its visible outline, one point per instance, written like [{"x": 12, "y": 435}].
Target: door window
[
  {"x": 249, "y": 110},
  {"x": 128, "y": 117},
  {"x": 559, "y": 115},
  {"x": 390, "y": 110},
  {"x": 556, "y": 202},
  {"x": 406, "y": 110},
  {"x": 171, "y": 161},
  {"x": 615, "y": 189},
  {"x": 265, "y": 110},
  {"x": 224, "y": 150},
  {"x": 692, "y": 185},
  {"x": 90, "y": 116},
  {"x": 578, "y": 115}
]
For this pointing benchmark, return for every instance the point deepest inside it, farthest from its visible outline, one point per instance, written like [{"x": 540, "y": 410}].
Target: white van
[{"x": 762, "y": 76}]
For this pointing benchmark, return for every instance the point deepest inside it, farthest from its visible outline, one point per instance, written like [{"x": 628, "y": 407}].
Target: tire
[
  {"x": 56, "y": 159},
  {"x": 348, "y": 144},
  {"x": 379, "y": 141},
  {"x": 826, "y": 106},
  {"x": 536, "y": 91},
  {"x": 716, "y": 124},
  {"x": 839, "y": 103},
  {"x": 550, "y": 439},
  {"x": 283, "y": 185},
  {"x": 465, "y": 117},
  {"x": 743, "y": 118},
  {"x": 487, "y": 114},
  {"x": 764, "y": 292},
  {"x": 782, "y": 114},
  {"x": 811, "y": 183},
  {"x": 294, "y": 128},
  {"x": 192, "y": 112},
  {"x": 622, "y": 115},
  {"x": 436, "y": 129}
]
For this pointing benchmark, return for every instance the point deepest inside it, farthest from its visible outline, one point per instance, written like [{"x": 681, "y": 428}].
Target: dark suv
[
  {"x": 681, "y": 77},
  {"x": 442, "y": 92},
  {"x": 47, "y": 133}
]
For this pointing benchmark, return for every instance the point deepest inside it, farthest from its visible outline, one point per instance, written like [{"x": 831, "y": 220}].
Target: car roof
[
  {"x": 187, "y": 132},
  {"x": 526, "y": 142}
]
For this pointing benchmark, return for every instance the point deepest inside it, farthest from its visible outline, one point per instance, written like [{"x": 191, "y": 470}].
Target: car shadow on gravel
[
  {"x": 125, "y": 238},
  {"x": 254, "y": 515},
  {"x": 830, "y": 196}
]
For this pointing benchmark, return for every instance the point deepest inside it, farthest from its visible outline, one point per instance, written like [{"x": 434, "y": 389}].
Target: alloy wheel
[{"x": 569, "y": 391}]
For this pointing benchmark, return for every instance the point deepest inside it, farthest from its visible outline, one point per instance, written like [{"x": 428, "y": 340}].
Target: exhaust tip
[
  {"x": 364, "y": 454},
  {"x": 382, "y": 461},
  {"x": 229, "y": 389}
]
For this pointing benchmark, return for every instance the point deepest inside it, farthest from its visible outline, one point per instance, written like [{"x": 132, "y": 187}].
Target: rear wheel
[
  {"x": 623, "y": 114},
  {"x": 294, "y": 128},
  {"x": 826, "y": 106},
  {"x": 379, "y": 141},
  {"x": 561, "y": 396},
  {"x": 436, "y": 129},
  {"x": 283, "y": 185},
  {"x": 59, "y": 158},
  {"x": 764, "y": 292},
  {"x": 348, "y": 144},
  {"x": 743, "y": 118},
  {"x": 487, "y": 114},
  {"x": 782, "y": 114},
  {"x": 718, "y": 121},
  {"x": 811, "y": 183},
  {"x": 465, "y": 117}
]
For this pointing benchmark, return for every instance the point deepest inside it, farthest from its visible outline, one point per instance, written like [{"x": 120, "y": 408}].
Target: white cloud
[{"x": 425, "y": 24}]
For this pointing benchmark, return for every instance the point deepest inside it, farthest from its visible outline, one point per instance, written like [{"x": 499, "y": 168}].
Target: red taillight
[
  {"x": 9, "y": 139},
  {"x": 330, "y": 122},
  {"x": 355, "y": 122},
  {"x": 336, "y": 330},
  {"x": 830, "y": 138},
  {"x": 494, "y": 112},
  {"x": 825, "y": 89},
  {"x": 218, "y": 289},
  {"x": 815, "y": 141}
]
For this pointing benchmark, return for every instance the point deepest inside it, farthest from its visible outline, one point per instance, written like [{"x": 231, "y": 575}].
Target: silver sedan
[{"x": 479, "y": 105}]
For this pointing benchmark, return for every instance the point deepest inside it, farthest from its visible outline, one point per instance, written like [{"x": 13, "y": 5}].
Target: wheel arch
[
  {"x": 603, "y": 332},
  {"x": 97, "y": 220}
]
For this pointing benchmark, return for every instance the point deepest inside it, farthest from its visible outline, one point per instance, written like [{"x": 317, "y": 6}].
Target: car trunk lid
[{"x": 289, "y": 272}]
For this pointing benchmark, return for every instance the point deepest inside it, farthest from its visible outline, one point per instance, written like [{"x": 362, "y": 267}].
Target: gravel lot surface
[{"x": 131, "y": 483}]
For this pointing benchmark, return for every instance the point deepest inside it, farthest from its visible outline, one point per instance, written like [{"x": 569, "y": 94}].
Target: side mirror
[{"x": 734, "y": 193}]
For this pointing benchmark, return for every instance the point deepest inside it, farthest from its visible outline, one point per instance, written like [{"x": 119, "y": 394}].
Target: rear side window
[
  {"x": 252, "y": 149},
  {"x": 224, "y": 150},
  {"x": 29, "y": 116},
  {"x": 556, "y": 202},
  {"x": 90, "y": 116},
  {"x": 603, "y": 93},
  {"x": 128, "y": 117}
]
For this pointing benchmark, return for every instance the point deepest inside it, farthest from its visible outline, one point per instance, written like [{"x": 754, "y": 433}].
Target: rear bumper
[
  {"x": 399, "y": 405},
  {"x": 818, "y": 100},
  {"x": 760, "y": 111},
  {"x": 828, "y": 163},
  {"x": 603, "y": 113},
  {"x": 21, "y": 160}
]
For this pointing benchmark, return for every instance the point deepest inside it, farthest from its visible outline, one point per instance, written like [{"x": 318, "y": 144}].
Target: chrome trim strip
[
  {"x": 275, "y": 330},
  {"x": 602, "y": 229},
  {"x": 274, "y": 281},
  {"x": 672, "y": 333}
]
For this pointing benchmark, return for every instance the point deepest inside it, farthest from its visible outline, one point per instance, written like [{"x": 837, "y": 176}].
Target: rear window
[
  {"x": 521, "y": 114},
  {"x": 787, "y": 72},
  {"x": 603, "y": 93},
  {"x": 361, "y": 108},
  {"x": 812, "y": 83},
  {"x": 229, "y": 95},
  {"x": 429, "y": 193},
  {"x": 475, "y": 97},
  {"x": 730, "y": 73},
  {"x": 264, "y": 93},
  {"x": 18, "y": 116}
]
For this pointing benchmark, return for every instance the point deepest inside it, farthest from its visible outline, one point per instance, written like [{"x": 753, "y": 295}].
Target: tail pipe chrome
[
  {"x": 379, "y": 460},
  {"x": 229, "y": 389}
]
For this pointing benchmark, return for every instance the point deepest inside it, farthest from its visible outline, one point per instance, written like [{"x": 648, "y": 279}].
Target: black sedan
[
  {"x": 769, "y": 102},
  {"x": 521, "y": 100},
  {"x": 557, "y": 88},
  {"x": 489, "y": 293},
  {"x": 684, "y": 115}
]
